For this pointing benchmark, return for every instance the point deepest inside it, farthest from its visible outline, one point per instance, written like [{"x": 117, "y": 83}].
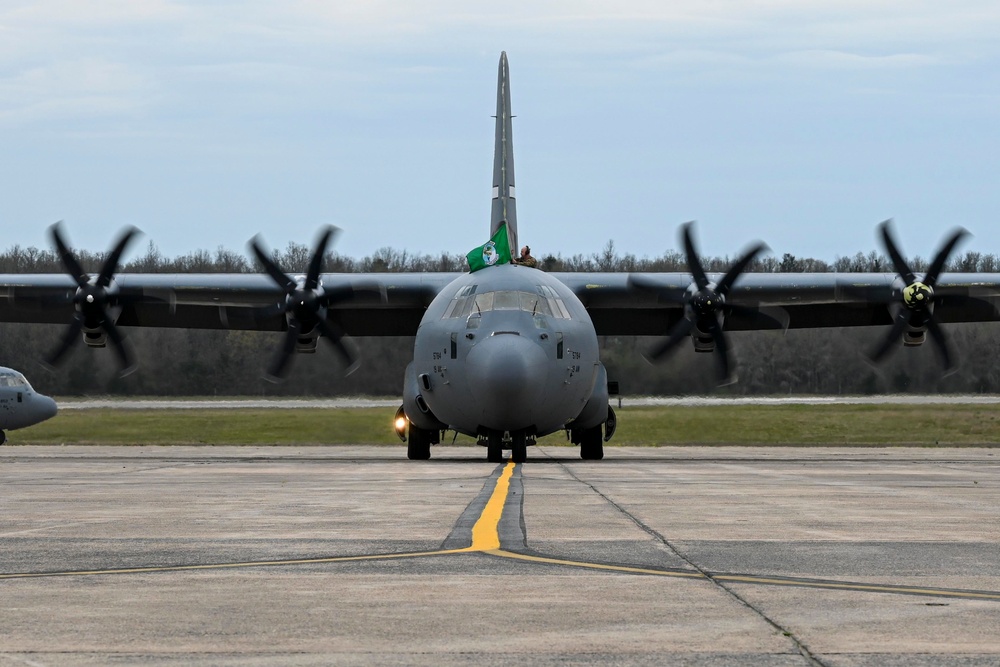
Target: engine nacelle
[
  {"x": 703, "y": 343},
  {"x": 914, "y": 337}
]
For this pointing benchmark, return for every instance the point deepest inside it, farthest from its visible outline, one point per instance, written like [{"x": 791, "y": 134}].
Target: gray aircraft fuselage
[
  {"x": 20, "y": 405},
  {"x": 506, "y": 348},
  {"x": 506, "y": 353}
]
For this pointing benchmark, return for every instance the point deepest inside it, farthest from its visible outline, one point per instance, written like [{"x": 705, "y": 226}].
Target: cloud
[
  {"x": 120, "y": 56},
  {"x": 77, "y": 88},
  {"x": 833, "y": 59}
]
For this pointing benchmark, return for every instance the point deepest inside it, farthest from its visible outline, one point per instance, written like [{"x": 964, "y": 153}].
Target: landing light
[{"x": 399, "y": 423}]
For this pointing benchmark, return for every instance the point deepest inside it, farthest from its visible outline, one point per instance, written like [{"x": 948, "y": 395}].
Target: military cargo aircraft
[
  {"x": 504, "y": 353},
  {"x": 20, "y": 405}
]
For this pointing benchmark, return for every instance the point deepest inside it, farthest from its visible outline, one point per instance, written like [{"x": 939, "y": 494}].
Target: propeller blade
[
  {"x": 704, "y": 303},
  {"x": 121, "y": 347},
  {"x": 898, "y": 263},
  {"x": 677, "y": 334},
  {"x": 739, "y": 267},
  {"x": 693, "y": 261},
  {"x": 939, "y": 260},
  {"x": 304, "y": 309},
  {"x": 279, "y": 367},
  {"x": 316, "y": 263},
  {"x": 335, "y": 336},
  {"x": 272, "y": 269},
  {"x": 73, "y": 267},
  {"x": 722, "y": 349},
  {"x": 69, "y": 338},
  {"x": 941, "y": 343},
  {"x": 111, "y": 263},
  {"x": 902, "y": 319}
]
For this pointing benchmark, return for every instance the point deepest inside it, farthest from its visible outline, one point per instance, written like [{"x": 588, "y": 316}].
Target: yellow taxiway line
[{"x": 486, "y": 532}]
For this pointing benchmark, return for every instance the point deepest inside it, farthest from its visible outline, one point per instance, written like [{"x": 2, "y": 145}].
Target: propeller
[
  {"x": 306, "y": 306},
  {"x": 705, "y": 305},
  {"x": 917, "y": 309},
  {"x": 94, "y": 298}
]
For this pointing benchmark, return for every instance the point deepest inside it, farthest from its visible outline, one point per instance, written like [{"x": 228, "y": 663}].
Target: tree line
[
  {"x": 295, "y": 258},
  {"x": 176, "y": 362}
]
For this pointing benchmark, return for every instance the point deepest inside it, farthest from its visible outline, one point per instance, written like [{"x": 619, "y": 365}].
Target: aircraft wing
[
  {"x": 649, "y": 304},
  {"x": 391, "y": 304},
  {"x": 378, "y": 304}
]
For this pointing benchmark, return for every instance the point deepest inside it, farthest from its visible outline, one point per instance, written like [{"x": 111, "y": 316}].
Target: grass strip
[{"x": 781, "y": 425}]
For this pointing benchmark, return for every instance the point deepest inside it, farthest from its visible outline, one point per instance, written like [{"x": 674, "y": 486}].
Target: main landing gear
[
  {"x": 517, "y": 442},
  {"x": 591, "y": 441},
  {"x": 418, "y": 446},
  {"x": 3, "y": 437}
]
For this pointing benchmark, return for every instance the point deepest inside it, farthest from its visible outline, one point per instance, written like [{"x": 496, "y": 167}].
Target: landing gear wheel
[
  {"x": 3, "y": 437},
  {"x": 494, "y": 447},
  {"x": 592, "y": 444},
  {"x": 418, "y": 448},
  {"x": 518, "y": 447}
]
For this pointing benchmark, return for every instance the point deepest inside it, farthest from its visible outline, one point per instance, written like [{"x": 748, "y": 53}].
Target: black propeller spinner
[
  {"x": 917, "y": 311},
  {"x": 305, "y": 306},
  {"x": 705, "y": 302},
  {"x": 94, "y": 296}
]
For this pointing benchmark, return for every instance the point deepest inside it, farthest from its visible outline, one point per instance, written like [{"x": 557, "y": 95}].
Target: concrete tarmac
[{"x": 355, "y": 555}]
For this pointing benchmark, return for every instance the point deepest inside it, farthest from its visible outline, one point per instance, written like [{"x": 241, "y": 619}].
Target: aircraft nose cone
[
  {"x": 507, "y": 381},
  {"x": 47, "y": 407}
]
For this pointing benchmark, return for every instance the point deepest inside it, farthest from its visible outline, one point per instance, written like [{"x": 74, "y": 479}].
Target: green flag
[{"x": 495, "y": 251}]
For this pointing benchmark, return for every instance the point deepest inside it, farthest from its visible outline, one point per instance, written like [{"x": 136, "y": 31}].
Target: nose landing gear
[
  {"x": 518, "y": 447},
  {"x": 497, "y": 441},
  {"x": 494, "y": 446}
]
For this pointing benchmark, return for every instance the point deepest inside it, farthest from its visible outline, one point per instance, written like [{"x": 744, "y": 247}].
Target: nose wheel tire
[
  {"x": 518, "y": 447},
  {"x": 494, "y": 447}
]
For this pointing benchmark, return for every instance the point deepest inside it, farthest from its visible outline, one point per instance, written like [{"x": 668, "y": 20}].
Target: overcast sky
[{"x": 801, "y": 123}]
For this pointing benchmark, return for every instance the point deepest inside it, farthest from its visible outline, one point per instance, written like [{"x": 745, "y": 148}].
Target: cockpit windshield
[
  {"x": 12, "y": 379},
  {"x": 543, "y": 302}
]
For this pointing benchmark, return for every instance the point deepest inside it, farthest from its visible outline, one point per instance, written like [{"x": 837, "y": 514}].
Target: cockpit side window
[
  {"x": 461, "y": 304},
  {"x": 555, "y": 302},
  {"x": 12, "y": 380}
]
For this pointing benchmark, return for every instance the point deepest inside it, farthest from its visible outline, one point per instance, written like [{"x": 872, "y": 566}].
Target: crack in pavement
[{"x": 797, "y": 642}]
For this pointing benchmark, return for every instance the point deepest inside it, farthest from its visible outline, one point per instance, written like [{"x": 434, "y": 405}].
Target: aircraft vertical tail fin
[{"x": 504, "y": 209}]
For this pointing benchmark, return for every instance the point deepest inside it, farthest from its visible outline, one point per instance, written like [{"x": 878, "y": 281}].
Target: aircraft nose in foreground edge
[{"x": 20, "y": 405}]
